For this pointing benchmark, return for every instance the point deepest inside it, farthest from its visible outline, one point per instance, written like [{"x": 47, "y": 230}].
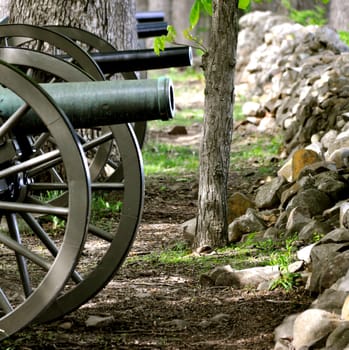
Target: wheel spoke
[
  {"x": 21, "y": 261},
  {"x": 5, "y": 304}
]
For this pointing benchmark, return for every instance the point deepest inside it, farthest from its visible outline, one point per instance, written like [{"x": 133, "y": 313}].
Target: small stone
[
  {"x": 189, "y": 230},
  {"x": 65, "y": 325},
  {"x": 302, "y": 158},
  {"x": 98, "y": 321},
  {"x": 238, "y": 203},
  {"x": 250, "y": 108},
  {"x": 219, "y": 318},
  {"x": 178, "y": 130},
  {"x": 304, "y": 253}
]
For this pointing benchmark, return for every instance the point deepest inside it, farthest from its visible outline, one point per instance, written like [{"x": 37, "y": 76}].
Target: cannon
[
  {"x": 106, "y": 55},
  {"x": 151, "y": 24},
  {"x": 24, "y": 161},
  {"x": 94, "y": 104},
  {"x": 146, "y": 59},
  {"x": 151, "y": 29}
]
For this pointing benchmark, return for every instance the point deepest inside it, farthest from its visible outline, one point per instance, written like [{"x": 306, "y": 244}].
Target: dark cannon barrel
[
  {"x": 94, "y": 104},
  {"x": 150, "y": 16},
  {"x": 138, "y": 60},
  {"x": 151, "y": 29}
]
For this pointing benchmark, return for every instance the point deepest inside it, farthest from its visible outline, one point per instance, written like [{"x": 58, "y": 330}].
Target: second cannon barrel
[{"x": 93, "y": 104}]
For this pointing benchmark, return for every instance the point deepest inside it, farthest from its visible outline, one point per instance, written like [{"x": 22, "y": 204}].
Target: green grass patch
[
  {"x": 185, "y": 117},
  {"x": 167, "y": 159},
  {"x": 258, "y": 151},
  {"x": 252, "y": 252}
]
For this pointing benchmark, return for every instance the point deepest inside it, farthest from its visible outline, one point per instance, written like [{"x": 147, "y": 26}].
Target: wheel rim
[
  {"x": 17, "y": 314},
  {"x": 131, "y": 183}
]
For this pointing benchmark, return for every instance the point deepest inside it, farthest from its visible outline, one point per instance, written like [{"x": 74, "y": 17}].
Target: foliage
[
  {"x": 344, "y": 36},
  {"x": 198, "y": 8},
  {"x": 309, "y": 17},
  {"x": 103, "y": 208},
  {"x": 283, "y": 259}
]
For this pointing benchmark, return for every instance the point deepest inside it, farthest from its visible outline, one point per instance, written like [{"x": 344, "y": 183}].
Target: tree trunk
[
  {"x": 113, "y": 20},
  {"x": 219, "y": 68},
  {"x": 339, "y": 15}
]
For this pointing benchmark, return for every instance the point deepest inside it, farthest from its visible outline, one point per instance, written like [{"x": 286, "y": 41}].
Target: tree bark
[
  {"x": 113, "y": 20},
  {"x": 339, "y": 15},
  {"x": 219, "y": 68}
]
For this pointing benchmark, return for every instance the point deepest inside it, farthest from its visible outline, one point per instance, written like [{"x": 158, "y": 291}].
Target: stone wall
[{"x": 298, "y": 79}]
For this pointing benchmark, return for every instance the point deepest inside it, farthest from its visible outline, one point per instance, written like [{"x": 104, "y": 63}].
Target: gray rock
[
  {"x": 268, "y": 195},
  {"x": 250, "y": 222},
  {"x": 342, "y": 284},
  {"x": 189, "y": 230},
  {"x": 312, "y": 201},
  {"x": 284, "y": 331},
  {"x": 314, "y": 230},
  {"x": 99, "y": 321},
  {"x": 339, "y": 338},
  {"x": 328, "y": 265},
  {"x": 296, "y": 220},
  {"x": 304, "y": 253},
  {"x": 311, "y": 326},
  {"x": 330, "y": 300}
]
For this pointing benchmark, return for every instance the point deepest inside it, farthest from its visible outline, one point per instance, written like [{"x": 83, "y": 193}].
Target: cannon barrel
[
  {"x": 137, "y": 60},
  {"x": 151, "y": 29},
  {"x": 94, "y": 104},
  {"x": 150, "y": 16}
]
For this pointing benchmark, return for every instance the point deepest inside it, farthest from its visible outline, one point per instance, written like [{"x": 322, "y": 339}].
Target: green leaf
[
  {"x": 243, "y": 4},
  {"x": 207, "y": 6},
  {"x": 159, "y": 44},
  {"x": 194, "y": 15}
]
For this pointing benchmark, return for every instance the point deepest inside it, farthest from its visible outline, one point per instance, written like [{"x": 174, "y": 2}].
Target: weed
[
  {"x": 288, "y": 280},
  {"x": 160, "y": 158},
  {"x": 103, "y": 208},
  {"x": 317, "y": 236}
]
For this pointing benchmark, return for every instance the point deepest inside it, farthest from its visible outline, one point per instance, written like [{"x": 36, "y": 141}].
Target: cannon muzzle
[
  {"x": 94, "y": 104},
  {"x": 137, "y": 60}
]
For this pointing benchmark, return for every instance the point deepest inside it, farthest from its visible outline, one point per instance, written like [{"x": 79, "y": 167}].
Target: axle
[{"x": 94, "y": 104}]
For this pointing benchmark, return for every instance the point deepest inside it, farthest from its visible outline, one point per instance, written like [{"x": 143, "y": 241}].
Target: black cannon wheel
[
  {"x": 114, "y": 242},
  {"x": 96, "y": 43},
  {"x": 32, "y": 275}
]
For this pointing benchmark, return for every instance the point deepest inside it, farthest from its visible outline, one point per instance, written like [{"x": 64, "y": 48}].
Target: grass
[
  {"x": 251, "y": 252},
  {"x": 166, "y": 159}
]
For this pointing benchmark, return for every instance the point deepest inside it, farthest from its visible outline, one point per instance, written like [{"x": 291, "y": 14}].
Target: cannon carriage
[{"x": 51, "y": 174}]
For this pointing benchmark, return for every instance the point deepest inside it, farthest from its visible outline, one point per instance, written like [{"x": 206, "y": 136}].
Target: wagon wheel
[
  {"x": 92, "y": 43},
  {"x": 38, "y": 39},
  {"x": 114, "y": 242},
  {"x": 31, "y": 276}
]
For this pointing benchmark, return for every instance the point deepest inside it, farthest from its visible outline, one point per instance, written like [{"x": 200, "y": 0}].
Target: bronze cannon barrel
[
  {"x": 146, "y": 59},
  {"x": 94, "y": 104}
]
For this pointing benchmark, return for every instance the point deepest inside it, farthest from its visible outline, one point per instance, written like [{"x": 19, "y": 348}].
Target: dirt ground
[
  {"x": 152, "y": 305},
  {"x": 159, "y": 306}
]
